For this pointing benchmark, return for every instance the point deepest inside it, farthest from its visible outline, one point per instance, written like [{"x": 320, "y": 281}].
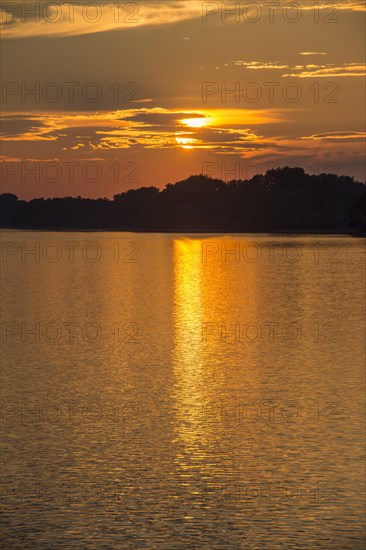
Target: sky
[{"x": 98, "y": 98}]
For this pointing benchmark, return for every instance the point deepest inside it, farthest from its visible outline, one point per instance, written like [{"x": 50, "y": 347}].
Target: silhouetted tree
[
  {"x": 358, "y": 214},
  {"x": 284, "y": 199}
]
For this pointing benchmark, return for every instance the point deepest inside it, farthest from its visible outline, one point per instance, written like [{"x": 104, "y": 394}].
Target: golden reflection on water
[
  {"x": 206, "y": 298},
  {"x": 205, "y": 293},
  {"x": 188, "y": 361}
]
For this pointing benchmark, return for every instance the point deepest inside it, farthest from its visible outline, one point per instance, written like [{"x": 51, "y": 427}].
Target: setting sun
[
  {"x": 196, "y": 122},
  {"x": 185, "y": 142}
]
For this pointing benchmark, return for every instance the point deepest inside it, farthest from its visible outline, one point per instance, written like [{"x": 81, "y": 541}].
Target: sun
[
  {"x": 183, "y": 139},
  {"x": 196, "y": 122},
  {"x": 185, "y": 142}
]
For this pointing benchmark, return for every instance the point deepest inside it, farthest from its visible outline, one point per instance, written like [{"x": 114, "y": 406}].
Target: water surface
[{"x": 171, "y": 391}]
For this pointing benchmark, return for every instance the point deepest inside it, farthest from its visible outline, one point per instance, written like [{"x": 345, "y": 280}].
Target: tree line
[{"x": 283, "y": 199}]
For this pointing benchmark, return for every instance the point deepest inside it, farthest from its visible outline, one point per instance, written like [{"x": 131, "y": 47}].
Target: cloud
[
  {"x": 305, "y": 71},
  {"x": 75, "y": 18},
  {"x": 164, "y": 134},
  {"x": 346, "y": 5},
  {"x": 221, "y": 132},
  {"x": 329, "y": 70},
  {"x": 312, "y": 53},
  {"x": 15, "y": 125},
  {"x": 160, "y": 128},
  {"x": 143, "y": 128},
  {"x": 337, "y": 137},
  {"x": 4, "y": 158},
  {"x": 260, "y": 65},
  {"x": 327, "y": 152},
  {"x": 29, "y": 128}
]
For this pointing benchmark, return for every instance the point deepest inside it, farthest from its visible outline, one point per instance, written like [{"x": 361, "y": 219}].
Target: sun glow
[
  {"x": 196, "y": 122},
  {"x": 185, "y": 142}
]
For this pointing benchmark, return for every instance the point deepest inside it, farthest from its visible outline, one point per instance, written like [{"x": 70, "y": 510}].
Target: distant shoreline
[
  {"x": 188, "y": 232},
  {"x": 284, "y": 201}
]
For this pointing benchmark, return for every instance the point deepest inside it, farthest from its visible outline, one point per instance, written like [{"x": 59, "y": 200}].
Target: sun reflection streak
[{"x": 191, "y": 370}]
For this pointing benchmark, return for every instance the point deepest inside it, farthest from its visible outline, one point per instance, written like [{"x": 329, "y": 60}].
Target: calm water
[{"x": 157, "y": 396}]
